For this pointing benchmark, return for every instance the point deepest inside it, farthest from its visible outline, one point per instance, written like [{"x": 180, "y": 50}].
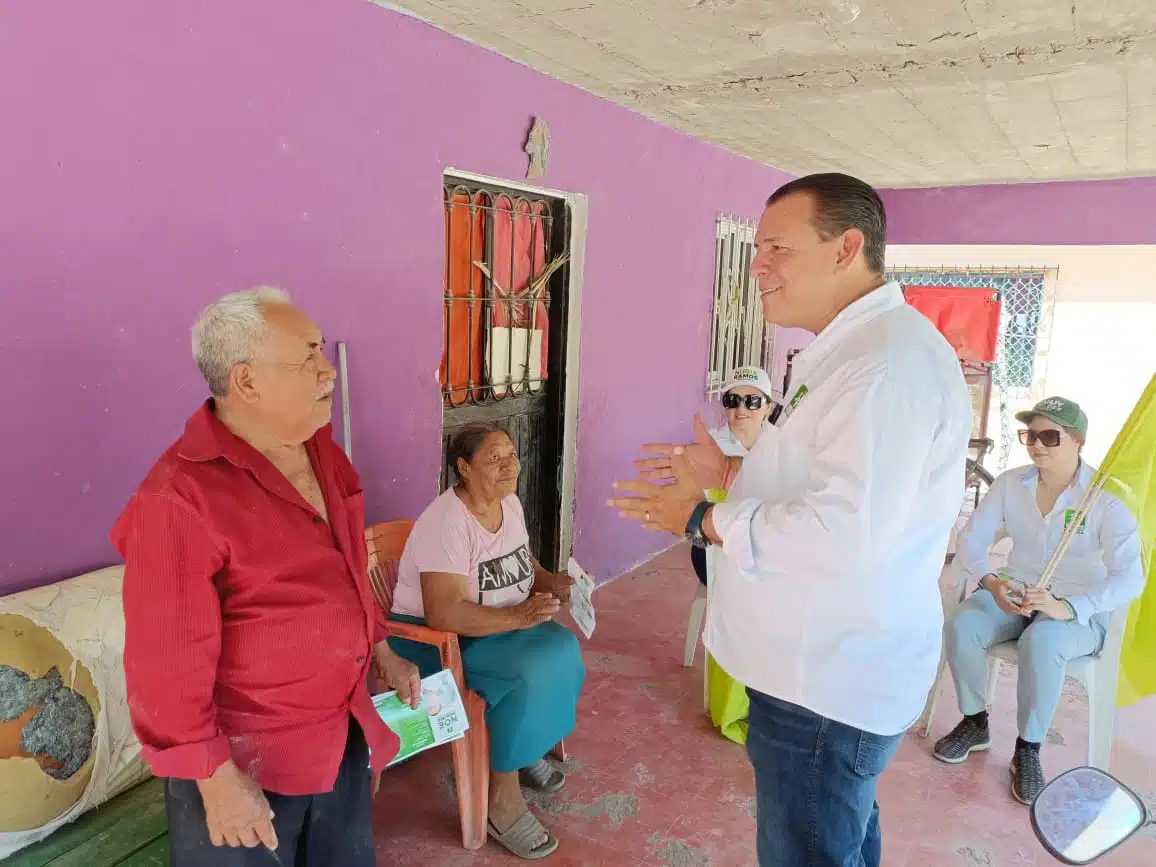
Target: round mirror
[{"x": 1084, "y": 814}]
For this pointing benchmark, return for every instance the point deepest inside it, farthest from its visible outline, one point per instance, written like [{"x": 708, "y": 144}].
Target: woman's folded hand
[{"x": 539, "y": 608}]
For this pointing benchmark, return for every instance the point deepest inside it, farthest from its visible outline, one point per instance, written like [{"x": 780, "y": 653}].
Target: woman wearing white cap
[
  {"x": 747, "y": 400},
  {"x": 746, "y": 397}
]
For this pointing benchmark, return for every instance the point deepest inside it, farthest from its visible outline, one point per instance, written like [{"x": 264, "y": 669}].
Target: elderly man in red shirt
[{"x": 250, "y": 624}]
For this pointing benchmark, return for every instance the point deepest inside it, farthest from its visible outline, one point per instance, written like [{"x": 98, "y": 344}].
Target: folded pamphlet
[
  {"x": 581, "y": 598},
  {"x": 439, "y": 718}
]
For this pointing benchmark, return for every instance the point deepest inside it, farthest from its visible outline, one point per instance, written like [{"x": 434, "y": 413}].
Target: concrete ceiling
[{"x": 900, "y": 92}]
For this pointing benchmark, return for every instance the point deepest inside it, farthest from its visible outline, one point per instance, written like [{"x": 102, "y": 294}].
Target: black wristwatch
[{"x": 694, "y": 533}]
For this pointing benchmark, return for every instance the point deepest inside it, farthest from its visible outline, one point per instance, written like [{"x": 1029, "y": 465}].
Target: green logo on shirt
[
  {"x": 800, "y": 393},
  {"x": 1070, "y": 515}
]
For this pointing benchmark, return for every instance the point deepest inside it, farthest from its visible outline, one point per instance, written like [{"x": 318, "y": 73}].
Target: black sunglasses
[
  {"x": 734, "y": 401},
  {"x": 1049, "y": 438}
]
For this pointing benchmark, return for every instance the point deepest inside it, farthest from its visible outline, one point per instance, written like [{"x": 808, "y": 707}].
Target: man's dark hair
[
  {"x": 841, "y": 203},
  {"x": 466, "y": 441}
]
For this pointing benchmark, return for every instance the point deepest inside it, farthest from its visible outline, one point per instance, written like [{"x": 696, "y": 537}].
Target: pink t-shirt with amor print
[{"x": 448, "y": 538}]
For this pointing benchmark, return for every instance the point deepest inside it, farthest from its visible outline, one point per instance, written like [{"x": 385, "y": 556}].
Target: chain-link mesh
[{"x": 1021, "y": 297}]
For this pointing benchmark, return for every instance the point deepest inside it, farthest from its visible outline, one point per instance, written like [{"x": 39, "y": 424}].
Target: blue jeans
[
  {"x": 815, "y": 787},
  {"x": 332, "y": 829}
]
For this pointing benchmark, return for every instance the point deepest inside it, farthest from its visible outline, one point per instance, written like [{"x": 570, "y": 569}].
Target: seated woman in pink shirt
[{"x": 467, "y": 568}]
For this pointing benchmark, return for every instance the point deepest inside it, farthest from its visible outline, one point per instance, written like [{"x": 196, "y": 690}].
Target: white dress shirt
[
  {"x": 833, "y": 538},
  {"x": 1098, "y": 573}
]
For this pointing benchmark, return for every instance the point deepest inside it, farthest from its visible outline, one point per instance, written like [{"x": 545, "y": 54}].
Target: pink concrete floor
[{"x": 652, "y": 784}]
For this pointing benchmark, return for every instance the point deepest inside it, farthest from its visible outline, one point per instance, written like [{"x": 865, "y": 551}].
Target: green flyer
[{"x": 439, "y": 718}]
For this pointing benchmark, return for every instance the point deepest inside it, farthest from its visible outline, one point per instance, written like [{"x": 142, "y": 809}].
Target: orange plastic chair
[{"x": 471, "y": 754}]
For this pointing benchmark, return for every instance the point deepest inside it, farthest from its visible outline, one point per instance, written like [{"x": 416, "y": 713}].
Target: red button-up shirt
[{"x": 249, "y": 620}]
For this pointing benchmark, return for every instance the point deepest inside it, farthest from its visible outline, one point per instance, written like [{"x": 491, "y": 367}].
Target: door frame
[{"x": 578, "y": 204}]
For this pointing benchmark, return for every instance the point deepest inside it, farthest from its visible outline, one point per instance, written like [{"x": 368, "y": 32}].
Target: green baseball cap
[{"x": 1064, "y": 412}]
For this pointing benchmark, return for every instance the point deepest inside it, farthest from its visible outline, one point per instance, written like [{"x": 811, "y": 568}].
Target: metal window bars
[
  {"x": 739, "y": 335},
  {"x": 497, "y": 294}
]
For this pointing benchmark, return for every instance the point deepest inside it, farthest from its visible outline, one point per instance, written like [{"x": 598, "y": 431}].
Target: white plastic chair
[
  {"x": 1098, "y": 674},
  {"x": 694, "y": 625}
]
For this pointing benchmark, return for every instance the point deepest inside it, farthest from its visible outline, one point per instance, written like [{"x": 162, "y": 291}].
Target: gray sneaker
[
  {"x": 1027, "y": 775},
  {"x": 966, "y": 738}
]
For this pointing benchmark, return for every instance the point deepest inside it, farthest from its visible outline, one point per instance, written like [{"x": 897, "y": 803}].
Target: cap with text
[
  {"x": 753, "y": 377},
  {"x": 1064, "y": 412}
]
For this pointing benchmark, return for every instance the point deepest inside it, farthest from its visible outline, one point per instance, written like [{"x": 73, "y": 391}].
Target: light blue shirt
[{"x": 1098, "y": 573}]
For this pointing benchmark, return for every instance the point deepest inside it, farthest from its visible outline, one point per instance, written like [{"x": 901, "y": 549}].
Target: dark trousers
[
  {"x": 815, "y": 787},
  {"x": 329, "y": 830}
]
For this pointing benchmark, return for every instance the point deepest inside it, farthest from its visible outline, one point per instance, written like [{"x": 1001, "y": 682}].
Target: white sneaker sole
[
  {"x": 1015, "y": 794},
  {"x": 978, "y": 748}
]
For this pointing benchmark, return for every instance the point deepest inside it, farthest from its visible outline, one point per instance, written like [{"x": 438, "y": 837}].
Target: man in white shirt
[
  {"x": 830, "y": 544},
  {"x": 1100, "y": 572}
]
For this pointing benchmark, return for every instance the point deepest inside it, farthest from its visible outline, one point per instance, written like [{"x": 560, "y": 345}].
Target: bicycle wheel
[{"x": 979, "y": 479}]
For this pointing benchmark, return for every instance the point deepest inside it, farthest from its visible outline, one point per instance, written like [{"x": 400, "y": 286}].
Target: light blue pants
[{"x": 1045, "y": 646}]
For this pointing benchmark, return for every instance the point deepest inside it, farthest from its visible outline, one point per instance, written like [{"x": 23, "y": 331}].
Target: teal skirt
[{"x": 530, "y": 680}]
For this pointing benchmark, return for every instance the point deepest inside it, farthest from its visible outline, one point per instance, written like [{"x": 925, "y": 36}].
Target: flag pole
[
  {"x": 1090, "y": 497},
  {"x": 1083, "y": 509}
]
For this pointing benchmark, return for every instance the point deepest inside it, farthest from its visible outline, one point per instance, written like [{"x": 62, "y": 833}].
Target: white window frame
[{"x": 739, "y": 336}]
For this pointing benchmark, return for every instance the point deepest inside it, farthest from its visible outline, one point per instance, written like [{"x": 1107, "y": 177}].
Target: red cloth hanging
[
  {"x": 967, "y": 317},
  {"x": 462, "y": 311},
  {"x": 519, "y": 253}
]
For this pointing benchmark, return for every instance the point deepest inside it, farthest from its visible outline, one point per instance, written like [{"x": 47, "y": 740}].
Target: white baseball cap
[{"x": 755, "y": 377}]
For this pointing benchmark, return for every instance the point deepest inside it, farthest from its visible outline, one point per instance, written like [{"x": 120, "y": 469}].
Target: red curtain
[
  {"x": 968, "y": 318},
  {"x": 519, "y": 229},
  {"x": 462, "y": 363}
]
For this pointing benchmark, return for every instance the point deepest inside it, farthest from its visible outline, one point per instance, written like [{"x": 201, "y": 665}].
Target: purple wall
[
  {"x": 158, "y": 155},
  {"x": 1070, "y": 212}
]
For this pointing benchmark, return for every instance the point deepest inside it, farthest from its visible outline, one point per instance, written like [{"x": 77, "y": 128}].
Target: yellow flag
[{"x": 1130, "y": 467}]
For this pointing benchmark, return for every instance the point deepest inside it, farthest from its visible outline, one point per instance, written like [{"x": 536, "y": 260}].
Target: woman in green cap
[{"x": 1099, "y": 573}]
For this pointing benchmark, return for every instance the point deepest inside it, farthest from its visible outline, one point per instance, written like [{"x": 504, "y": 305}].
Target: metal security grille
[
  {"x": 739, "y": 336},
  {"x": 499, "y": 264},
  {"x": 1021, "y": 295},
  {"x": 504, "y": 326}
]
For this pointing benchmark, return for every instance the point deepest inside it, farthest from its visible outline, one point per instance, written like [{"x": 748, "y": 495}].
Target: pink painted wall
[
  {"x": 157, "y": 155},
  {"x": 1072, "y": 212}
]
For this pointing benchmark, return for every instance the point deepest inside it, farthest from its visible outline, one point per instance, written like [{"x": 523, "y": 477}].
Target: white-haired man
[{"x": 250, "y": 625}]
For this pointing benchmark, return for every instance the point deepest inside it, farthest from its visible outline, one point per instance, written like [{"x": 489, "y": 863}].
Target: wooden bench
[{"x": 129, "y": 831}]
